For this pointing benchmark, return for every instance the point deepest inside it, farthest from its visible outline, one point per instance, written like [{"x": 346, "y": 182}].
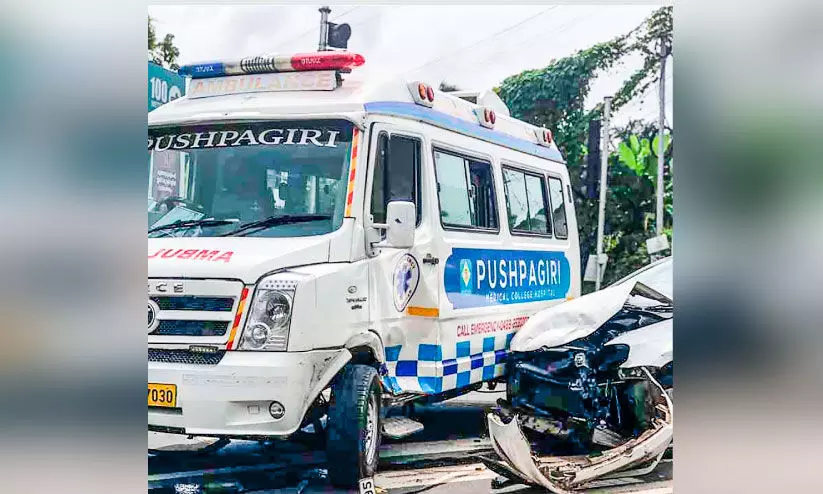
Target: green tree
[
  {"x": 152, "y": 37},
  {"x": 162, "y": 53},
  {"x": 447, "y": 87},
  {"x": 554, "y": 97}
]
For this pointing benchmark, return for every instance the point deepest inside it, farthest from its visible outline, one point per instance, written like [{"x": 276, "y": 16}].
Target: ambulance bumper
[{"x": 232, "y": 398}]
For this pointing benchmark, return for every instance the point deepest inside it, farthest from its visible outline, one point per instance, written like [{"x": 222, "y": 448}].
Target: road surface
[{"x": 439, "y": 460}]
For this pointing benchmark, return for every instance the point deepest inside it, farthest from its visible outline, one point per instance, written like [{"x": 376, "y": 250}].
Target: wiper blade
[
  {"x": 190, "y": 223},
  {"x": 286, "y": 219}
]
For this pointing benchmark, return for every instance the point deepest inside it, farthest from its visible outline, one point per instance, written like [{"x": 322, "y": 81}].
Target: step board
[{"x": 400, "y": 427}]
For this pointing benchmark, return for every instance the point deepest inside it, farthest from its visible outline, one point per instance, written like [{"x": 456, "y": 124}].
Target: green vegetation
[
  {"x": 554, "y": 97},
  {"x": 163, "y": 53}
]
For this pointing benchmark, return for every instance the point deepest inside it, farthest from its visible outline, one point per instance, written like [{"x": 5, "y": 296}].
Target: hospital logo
[
  {"x": 405, "y": 280},
  {"x": 465, "y": 276}
]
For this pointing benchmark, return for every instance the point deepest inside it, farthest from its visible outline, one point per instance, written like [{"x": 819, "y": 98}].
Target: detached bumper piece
[{"x": 565, "y": 474}]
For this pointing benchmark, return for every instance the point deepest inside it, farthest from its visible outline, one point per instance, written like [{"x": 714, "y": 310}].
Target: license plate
[
  {"x": 367, "y": 486},
  {"x": 162, "y": 395}
]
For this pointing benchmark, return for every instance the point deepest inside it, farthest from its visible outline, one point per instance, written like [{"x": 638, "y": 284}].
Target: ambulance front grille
[
  {"x": 188, "y": 310},
  {"x": 191, "y": 328},
  {"x": 210, "y": 304}
]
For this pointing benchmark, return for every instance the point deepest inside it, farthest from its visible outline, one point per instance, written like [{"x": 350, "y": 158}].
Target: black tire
[{"x": 352, "y": 436}]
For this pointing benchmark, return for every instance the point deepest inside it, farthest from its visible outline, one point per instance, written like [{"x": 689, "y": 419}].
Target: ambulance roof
[{"x": 351, "y": 99}]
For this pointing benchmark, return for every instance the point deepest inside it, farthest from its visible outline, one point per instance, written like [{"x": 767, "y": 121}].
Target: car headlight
[{"x": 269, "y": 319}]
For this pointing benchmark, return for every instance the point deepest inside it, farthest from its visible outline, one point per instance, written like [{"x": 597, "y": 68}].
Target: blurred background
[{"x": 748, "y": 196}]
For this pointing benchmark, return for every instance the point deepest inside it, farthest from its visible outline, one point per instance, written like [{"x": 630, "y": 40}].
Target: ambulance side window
[
  {"x": 526, "y": 202},
  {"x": 465, "y": 188},
  {"x": 396, "y": 174},
  {"x": 558, "y": 206}
]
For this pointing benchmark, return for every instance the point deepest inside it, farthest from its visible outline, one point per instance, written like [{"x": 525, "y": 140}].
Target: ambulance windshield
[{"x": 269, "y": 179}]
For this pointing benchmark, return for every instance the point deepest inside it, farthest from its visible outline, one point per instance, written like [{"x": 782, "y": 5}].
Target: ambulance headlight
[{"x": 267, "y": 327}]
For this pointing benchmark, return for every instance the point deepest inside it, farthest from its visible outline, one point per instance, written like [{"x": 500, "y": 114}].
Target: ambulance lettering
[
  {"x": 244, "y": 137},
  {"x": 193, "y": 255},
  {"x": 480, "y": 277}
]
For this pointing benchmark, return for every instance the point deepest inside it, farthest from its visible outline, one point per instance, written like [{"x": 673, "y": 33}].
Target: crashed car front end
[{"x": 591, "y": 379}]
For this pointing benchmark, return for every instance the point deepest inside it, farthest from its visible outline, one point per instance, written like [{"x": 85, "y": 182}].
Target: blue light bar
[{"x": 201, "y": 70}]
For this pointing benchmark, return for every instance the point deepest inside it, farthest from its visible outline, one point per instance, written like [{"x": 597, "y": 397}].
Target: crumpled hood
[
  {"x": 572, "y": 320},
  {"x": 651, "y": 345},
  {"x": 245, "y": 259}
]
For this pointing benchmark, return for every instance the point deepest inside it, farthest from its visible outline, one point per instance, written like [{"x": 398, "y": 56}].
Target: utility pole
[
  {"x": 660, "y": 144},
  {"x": 323, "y": 45},
  {"x": 604, "y": 177}
]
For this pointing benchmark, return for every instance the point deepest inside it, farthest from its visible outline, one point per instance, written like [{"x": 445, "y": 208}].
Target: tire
[{"x": 353, "y": 430}]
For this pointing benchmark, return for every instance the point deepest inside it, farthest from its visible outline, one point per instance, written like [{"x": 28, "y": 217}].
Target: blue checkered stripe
[{"x": 471, "y": 361}]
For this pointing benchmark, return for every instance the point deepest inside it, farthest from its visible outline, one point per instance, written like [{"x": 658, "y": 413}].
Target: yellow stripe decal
[
  {"x": 240, "y": 307},
  {"x": 352, "y": 171},
  {"x": 423, "y": 311}
]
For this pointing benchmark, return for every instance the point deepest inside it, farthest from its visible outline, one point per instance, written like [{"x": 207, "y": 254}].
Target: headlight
[{"x": 267, "y": 326}]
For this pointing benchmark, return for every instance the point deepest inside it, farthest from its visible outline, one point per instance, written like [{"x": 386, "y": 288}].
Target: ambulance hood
[{"x": 245, "y": 259}]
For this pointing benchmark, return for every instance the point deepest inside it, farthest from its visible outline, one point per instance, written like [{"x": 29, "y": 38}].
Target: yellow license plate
[{"x": 162, "y": 395}]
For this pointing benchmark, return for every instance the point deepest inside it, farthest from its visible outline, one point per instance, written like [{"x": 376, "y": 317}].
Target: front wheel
[{"x": 353, "y": 431}]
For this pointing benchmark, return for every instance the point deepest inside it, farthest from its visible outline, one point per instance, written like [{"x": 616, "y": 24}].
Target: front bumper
[{"x": 232, "y": 397}]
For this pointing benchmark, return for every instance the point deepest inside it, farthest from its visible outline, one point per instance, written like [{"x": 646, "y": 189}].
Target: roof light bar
[{"x": 327, "y": 60}]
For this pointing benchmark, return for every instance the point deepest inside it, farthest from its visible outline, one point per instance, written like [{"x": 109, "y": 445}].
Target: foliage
[
  {"x": 631, "y": 201},
  {"x": 555, "y": 96},
  {"x": 163, "y": 53},
  {"x": 447, "y": 87}
]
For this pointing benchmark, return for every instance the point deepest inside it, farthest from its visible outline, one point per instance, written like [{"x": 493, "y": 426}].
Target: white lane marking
[
  {"x": 407, "y": 452},
  {"x": 432, "y": 476}
]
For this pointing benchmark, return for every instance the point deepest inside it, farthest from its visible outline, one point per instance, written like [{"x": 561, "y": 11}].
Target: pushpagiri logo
[
  {"x": 406, "y": 277},
  {"x": 465, "y": 276}
]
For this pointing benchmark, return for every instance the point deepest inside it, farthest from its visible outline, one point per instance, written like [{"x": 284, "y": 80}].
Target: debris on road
[{"x": 591, "y": 378}]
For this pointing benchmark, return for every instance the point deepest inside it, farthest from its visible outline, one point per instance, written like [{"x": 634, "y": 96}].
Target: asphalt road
[{"x": 440, "y": 459}]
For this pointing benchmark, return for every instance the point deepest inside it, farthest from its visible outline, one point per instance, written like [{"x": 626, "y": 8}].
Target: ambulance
[{"x": 323, "y": 249}]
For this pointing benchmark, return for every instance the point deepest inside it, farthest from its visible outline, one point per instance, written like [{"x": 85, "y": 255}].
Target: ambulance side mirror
[{"x": 401, "y": 217}]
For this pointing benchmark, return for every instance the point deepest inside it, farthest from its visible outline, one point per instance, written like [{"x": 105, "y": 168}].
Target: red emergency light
[
  {"x": 422, "y": 93},
  {"x": 485, "y": 116},
  {"x": 326, "y": 60},
  {"x": 544, "y": 136}
]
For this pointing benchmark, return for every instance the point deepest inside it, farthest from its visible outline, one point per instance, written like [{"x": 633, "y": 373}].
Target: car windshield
[{"x": 213, "y": 180}]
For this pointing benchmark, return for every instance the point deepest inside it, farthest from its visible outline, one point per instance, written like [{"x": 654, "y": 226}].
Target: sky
[{"x": 473, "y": 47}]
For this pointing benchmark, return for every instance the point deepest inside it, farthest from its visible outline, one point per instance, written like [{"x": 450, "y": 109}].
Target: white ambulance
[{"x": 321, "y": 249}]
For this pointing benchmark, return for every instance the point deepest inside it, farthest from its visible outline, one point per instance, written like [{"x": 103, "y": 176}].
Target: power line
[
  {"x": 499, "y": 33},
  {"x": 554, "y": 32}
]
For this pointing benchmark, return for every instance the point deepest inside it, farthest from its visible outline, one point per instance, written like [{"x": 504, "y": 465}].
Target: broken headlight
[
  {"x": 611, "y": 357},
  {"x": 633, "y": 373}
]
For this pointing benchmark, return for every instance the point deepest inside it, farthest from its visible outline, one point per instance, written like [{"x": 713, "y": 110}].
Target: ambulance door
[
  {"x": 475, "y": 327},
  {"x": 404, "y": 287}
]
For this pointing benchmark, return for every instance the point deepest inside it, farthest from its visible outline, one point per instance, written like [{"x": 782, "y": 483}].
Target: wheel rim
[{"x": 370, "y": 441}]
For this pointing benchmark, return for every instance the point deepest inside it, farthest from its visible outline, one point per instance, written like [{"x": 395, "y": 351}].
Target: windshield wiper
[
  {"x": 286, "y": 219},
  {"x": 190, "y": 223}
]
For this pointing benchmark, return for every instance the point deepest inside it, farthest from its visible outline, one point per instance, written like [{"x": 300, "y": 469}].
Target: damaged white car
[{"x": 589, "y": 391}]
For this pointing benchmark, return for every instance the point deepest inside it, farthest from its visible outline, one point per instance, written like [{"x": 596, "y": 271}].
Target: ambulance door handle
[{"x": 434, "y": 261}]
